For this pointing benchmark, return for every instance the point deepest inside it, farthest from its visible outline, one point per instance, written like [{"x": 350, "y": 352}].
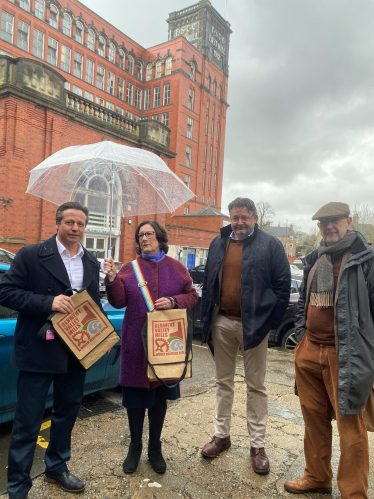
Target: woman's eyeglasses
[{"x": 148, "y": 235}]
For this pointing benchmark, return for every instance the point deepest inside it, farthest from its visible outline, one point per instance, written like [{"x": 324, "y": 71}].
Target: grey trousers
[{"x": 227, "y": 335}]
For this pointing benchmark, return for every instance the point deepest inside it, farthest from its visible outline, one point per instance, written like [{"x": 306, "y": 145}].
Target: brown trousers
[{"x": 317, "y": 372}]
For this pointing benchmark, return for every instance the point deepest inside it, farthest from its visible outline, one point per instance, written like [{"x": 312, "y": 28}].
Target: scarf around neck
[
  {"x": 322, "y": 287},
  {"x": 156, "y": 257}
]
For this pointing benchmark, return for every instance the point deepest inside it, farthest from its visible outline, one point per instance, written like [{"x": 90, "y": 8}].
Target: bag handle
[{"x": 142, "y": 283}]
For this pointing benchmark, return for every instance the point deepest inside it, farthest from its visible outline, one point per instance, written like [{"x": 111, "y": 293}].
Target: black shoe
[
  {"x": 155, "y": 456},
  {"x": 133, "y": 457},
  {"x": 67, "y": 482}
]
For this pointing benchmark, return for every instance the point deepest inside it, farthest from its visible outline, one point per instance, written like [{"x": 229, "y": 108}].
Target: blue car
[{"x": 102, "y": 375}]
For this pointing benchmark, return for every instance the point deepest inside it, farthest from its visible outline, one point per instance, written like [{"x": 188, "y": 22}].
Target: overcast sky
[{"x": 300, "y": 126}]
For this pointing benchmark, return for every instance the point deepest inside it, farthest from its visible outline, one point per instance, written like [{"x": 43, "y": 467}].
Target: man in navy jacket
[
  {"x": 35, "y": 286},
  {"x": 245, "y": 294}
]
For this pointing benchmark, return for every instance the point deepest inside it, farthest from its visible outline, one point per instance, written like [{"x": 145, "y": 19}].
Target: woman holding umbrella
[{"x": 170, "y": 286}]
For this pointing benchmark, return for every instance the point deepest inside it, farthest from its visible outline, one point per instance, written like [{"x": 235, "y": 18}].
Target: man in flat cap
[{"x": 334, "y": 357}]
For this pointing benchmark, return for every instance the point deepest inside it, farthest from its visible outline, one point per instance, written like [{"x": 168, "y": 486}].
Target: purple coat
[{"x": 166, "y": 278}]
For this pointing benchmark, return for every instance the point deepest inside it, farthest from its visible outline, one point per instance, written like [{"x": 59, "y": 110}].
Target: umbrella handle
[{"x": 102, "y": 263}]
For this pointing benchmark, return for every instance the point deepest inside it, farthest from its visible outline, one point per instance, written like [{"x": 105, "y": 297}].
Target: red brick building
[{"x": 67, "y": 77}]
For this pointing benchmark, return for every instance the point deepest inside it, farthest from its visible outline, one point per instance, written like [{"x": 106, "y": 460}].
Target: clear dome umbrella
[{"x": 110, "y": 179}]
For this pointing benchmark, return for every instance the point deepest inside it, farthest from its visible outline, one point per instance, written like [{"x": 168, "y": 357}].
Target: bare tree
[
  {"x": 265, "y": 213},
  {"x": 363, "y": 221}
]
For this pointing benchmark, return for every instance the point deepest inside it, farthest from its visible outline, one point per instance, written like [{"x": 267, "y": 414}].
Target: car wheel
[{"x": 289, "y": 340}]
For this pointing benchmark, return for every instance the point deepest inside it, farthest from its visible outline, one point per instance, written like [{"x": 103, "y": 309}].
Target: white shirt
[{"x": 73, "y": 264}]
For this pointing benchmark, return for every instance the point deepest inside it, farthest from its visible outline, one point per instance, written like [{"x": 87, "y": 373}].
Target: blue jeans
[{"x": 32, "y": 394}]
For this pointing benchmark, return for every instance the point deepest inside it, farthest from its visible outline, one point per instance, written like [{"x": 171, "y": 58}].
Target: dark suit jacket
[{"x": 35, "y": 277}]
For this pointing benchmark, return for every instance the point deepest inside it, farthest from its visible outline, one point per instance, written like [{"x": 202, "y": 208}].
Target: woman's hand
[
  {"x": 163, "y": 304},
  {"x": 110, "y": 269}
]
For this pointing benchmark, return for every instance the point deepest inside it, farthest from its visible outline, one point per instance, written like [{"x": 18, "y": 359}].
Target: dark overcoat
[{"x": 35, "y": 277}]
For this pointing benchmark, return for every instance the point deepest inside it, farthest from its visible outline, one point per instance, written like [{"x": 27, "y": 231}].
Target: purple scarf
[{"x": 156, "y": 257}]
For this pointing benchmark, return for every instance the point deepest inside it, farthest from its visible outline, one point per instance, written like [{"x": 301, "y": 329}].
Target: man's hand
[
  {"x": 63, "y": 304},
  {"x": 110, "y": 269}
]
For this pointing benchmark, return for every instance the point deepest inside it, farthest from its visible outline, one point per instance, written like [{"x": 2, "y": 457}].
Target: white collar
[{"x": 61, "y": 248}]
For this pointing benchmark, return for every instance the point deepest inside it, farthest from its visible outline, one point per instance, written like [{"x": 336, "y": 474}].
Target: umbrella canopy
[{"x": 109, "y": 178}]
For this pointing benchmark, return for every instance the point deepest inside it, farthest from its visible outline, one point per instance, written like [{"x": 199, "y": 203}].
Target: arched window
[
  {"x": 66, "y": 25},
  {"x": 53, "y": 16},
  {"x": 192, "y": 73},
  {"x": 148, "y": 76},
  {"x": 121, "y": 59},
  {"x": 158, "y": 69},
  {"x": 139, "y": 70},
  {"x": 39, "y": 9},
  {"x": 131, "y": 65},
  {"x": 168, "y": 65},
  {"x": 79, "y": 32},
  {"x": 91, "y": 40},
  {"x": 112, "y": 53},
  {"x": 101, "y": 49}
]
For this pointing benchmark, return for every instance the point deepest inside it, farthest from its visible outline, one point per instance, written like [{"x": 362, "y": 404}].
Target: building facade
[
  {"x": 286, "y": 236},
  {"x": 170, "y": 99}
]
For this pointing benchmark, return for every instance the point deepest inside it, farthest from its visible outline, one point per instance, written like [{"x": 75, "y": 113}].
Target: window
[
  {"x": 217, "y": 135},
  {"x": 185, "y": 209},
  {"x": 120, "y": 88},
  {"x": 219, "y": 110},
  {"x": 206, "y": 124},
  {"x": 169, "y": 62},
  {"x": 139, "y": 70},
  {"x": 39, "y": 9},
  {"x": 192, "y": 72},
  {"x": 65, "y": 58},
  {"x": 209, "y": 177},
  {"x": 7, "y": 22},
  {"x": 67, "y": 85},
  {"x": 202, "y": 198},
  {"x": 214, "y": 201},
  {"x": 38, "y": 44},
  {"x": 128, "y": 115},
  {"x": 25, "y": 4},
  {"x": 207, "y": 104},
  {"x": 188, "y": 156},
  {"x": 156, "y": 97},
  {"x": 137, "y": 118},
  {"x": 204, "y": 179},
  {"x": 53, "y": 17},
  {"x": 90, "y": 67},
  {"x": 147, "y": 99},
  {"x": 214, "y": 185},
  {"x": 79, "y": 32},
  {"x": 213, "y": 107},
  {"x": 110, "y": 106},
  {"x": 216, "y": 160},
  {"x": 212, "y": 129},
  {"x": 129, "y": 92},
  {"x": 205, "y": 152},
  {"x": 121, "y": 59},
  {"x": 88, "y": 96},
  {"x": 111, "y": 81},
  {"x": 99, "y": 101},
  {"x": 208, "y": 200},
  {"x": 156, "y": 117},
  {"x": 112, "y": 53},
  {"x": 77, "y": 90},
  {"x": 165, "y": 119},
  {"x": 210, "y": 154},
  {"x": 138, "y": 98},
  {"x": 91, "y": 40},
  {"x": 130, "y": 65},
  {"x": 100, "y": 77},
  {"x": 158, "y": 69},
  {"x": 23, "y": 35},
  {"x": 187, "y": 180},
  {"x": 189, "y": 128},
  {"x": 78, "y": 65},
  {"x": 214, "y": 88},
  {"x": 52, "y": 51},
  {"x": 119, "y": 110},
  {"x": 167, "y": 94},
  {"x": 66, "y": 25},
  {"x": 148, "y": 75},
  {"x": 101, "y": 47},
  {"x": 191, "y": 99}
]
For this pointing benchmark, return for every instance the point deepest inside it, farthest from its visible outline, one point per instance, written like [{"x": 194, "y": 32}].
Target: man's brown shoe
[
  {"x": 260, "y": 461},
  {"x": 216, "y": 446},
  {"x": 302, "y": 485}
]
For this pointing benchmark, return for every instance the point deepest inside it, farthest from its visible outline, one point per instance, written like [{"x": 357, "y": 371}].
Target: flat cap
[{"x": 331, "y": 210}]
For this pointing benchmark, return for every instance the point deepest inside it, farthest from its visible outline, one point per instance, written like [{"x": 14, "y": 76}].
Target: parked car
[
  {"x": 295, "y": 270},
  {"x": 197, "y": 273},
  {"x": 6, "y": 256},
  {"x": 102, "y": 375}
]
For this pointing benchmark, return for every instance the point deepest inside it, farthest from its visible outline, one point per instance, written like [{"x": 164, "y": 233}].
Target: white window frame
[
  {"x": 54, "y": 9},
  {"x": 120, "y": 88},
  {"x": 78, "y": 90},
  {"x": 129, "y": 93},
  {"x": 139, "y": 72},
  {"x": 88, "y": 96},
  {"x": 158, "y": 69},
  {"x": 148, "y": 72},
  {"x": 40, "y": 9},
  {"x": 189, "y": 127},
  {"x": 111, "y": 83},
  {"x": 101, "y": 47},
  {"x": 210, "y": 154},
  {"x": 165, "y": 119},
  {"x": 166, "y": 98},
  {"x": 21, "y": 29},
  {"x": 188, "y": 156},
  {"x": 130, "y": 64},
  {"x": 5, "y": 19},
  {"x": 66, "y": 24},
  {"x": 65, "y": 54},
  {"x": 119, "y": 110},
  {"x": 212, "y": 129},
  {"x": 36, "y": 49},
  {"x": 90, "y": 71},
  {"x": 91, "y": 39},
  {"x": 79, "y": 27},
  {"x": 156, "y": 96},
  {"x": 168, "y": 66},
  {"x": 112, "y": 53},
  {"x": 25, "y": 5},
  {"x": 100, "y": 82},
  {"x": 192, "y": 72},
  {"x": 187, "y": 180},
  {"x": 128, "y": 115},
  {"x": 77, "y": 62},
  {"x": 214, "y": 183},
  {"x": 191, "y": 98},
  {"x": 205, "y": 147},
  {"x": 138, "y": 98},
  {"x": 216, "y": 160},
  {"x": 121, "y": 59},
  {"x": 203, "y": 182},
  {"x": 147, "y": 99},
  {"x": 217, "y": 133},
  {"x": 52, "y": 47},
  {"x": 209, "y": 179}
]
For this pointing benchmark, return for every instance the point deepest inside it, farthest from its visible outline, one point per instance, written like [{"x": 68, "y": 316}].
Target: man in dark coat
[
  {"x": 334, "y": 357},
  {"x": 245, "y": 294},
  {"x": 35, "y": 286}
]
